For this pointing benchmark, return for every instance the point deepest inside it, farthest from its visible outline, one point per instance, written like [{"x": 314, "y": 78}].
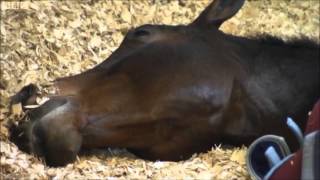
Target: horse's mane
[{"x": 293, "y": 42}]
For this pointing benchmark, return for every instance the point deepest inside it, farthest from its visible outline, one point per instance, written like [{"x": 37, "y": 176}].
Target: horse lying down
[{"x": 170, "y": 91}]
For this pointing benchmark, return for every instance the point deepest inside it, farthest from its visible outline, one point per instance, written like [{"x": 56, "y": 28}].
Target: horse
[{"x": 170, "y": 91}]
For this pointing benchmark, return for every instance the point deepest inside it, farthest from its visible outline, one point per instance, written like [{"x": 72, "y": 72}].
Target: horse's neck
[
  {"x": 286, "y": 74},
  {"x": 280, "y": 81}
]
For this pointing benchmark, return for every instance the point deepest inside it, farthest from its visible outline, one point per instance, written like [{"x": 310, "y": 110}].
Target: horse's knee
[
  {"x": 57, "y": 134},
  {"x": 52, "y": 132},
  {"x": 57, "y": 146}
]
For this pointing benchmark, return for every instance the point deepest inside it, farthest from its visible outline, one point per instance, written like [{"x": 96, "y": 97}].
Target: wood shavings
[
  {"x": 16, "y": 109},
  {"x": 239, "y": 156},
  {"x": 43, "y": 40}
]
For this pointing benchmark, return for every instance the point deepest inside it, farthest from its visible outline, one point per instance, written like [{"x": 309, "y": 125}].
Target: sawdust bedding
[{"x": 43, "y": 40}]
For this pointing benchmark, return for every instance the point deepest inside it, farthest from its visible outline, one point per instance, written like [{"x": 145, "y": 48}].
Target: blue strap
[
  {"x": 296, "y": 130},
  {"x": 272, "y": 156}
]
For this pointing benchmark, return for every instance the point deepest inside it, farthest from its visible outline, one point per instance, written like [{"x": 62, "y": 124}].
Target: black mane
[{"x": 302, "y": 41}]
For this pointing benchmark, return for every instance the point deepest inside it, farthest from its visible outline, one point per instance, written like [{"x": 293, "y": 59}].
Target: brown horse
[{"x": 170, "y": 91}]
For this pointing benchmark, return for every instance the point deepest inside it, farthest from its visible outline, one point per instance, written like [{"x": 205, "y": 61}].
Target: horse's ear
[{"x": 218, "y": 12}]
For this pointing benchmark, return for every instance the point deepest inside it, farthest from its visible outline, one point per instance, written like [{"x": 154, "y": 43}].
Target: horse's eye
[{"x": 141, "y": 32}]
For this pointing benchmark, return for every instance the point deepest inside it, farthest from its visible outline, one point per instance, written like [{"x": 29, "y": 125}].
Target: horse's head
[{"x": 164, "y": 83}]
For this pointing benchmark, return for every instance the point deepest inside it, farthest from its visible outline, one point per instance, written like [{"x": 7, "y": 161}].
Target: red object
[
  {"x": 314, "y": 119},
  {"x": 291, "y": 169}
]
